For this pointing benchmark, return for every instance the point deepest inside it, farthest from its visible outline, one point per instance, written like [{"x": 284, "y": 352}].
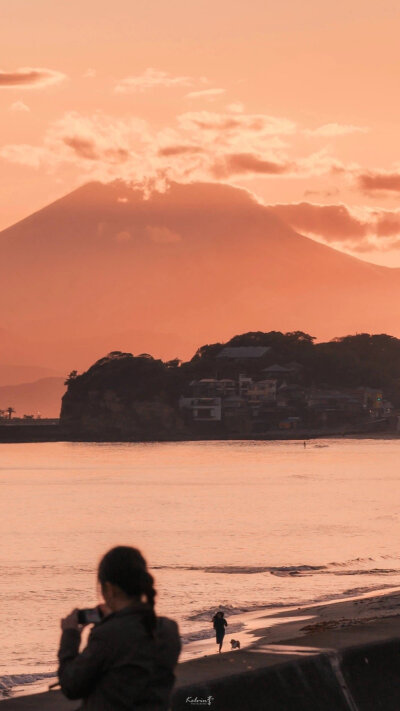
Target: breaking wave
[
  {"x": 10, "y": 681},
  {"x": 355, "y": 566}
]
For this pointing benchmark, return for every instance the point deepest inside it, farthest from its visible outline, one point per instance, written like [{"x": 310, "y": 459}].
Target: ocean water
[{"x": 242, "y": 525}]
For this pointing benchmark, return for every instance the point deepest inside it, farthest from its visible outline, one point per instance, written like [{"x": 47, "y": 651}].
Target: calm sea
[{"x": 238, "y": 524}]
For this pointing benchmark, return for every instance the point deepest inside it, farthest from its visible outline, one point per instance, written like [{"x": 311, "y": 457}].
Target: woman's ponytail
[
  {"x": 125, "y": 567},
  {"x": 149, "y": 592}
]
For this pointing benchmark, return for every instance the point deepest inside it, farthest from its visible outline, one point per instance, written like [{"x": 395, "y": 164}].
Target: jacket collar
[{"x": 136, "y": 608}]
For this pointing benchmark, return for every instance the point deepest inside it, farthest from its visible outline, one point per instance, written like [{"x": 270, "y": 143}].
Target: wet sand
[{"x": 268, "y": 637}]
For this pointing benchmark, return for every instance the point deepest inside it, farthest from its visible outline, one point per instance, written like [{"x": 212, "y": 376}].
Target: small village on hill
[
  {"x": 258, "y": 385},
  {"x": 279, "y": 401}
]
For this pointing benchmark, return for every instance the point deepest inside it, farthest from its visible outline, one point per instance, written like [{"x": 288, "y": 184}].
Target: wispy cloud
[
  {"x": 201, "y": 145},
  {"x": 357, "y": 228},
  {"x": 31, "y": 156},
  {"x": 230, "y": 122},
  {"x": 205, "y": 94},
  {"x": 236, "y": 107},
  {"x": 236, "y": 164},
  {"x": 19, "y": 106},
  {"x": 30, "y": 78},
  {"x": 151, "y": 79},
  {"x": 179, "y": 150},
  {"x": 329, "y": 130}
]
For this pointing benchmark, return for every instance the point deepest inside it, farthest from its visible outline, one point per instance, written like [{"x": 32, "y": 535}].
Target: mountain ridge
[{"x": 193, "y": 264}]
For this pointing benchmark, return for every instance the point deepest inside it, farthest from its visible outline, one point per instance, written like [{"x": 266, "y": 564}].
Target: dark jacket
[
  {"x": 122, "y": 668},
  {"x": 219, "y": 624}
]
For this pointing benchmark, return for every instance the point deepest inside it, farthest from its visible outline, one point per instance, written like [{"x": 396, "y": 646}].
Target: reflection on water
[{"x": 238, "y": 524}]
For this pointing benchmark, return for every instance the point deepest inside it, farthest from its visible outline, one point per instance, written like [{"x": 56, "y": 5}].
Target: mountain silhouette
[
  {"x": 41, "y": 397},
  {"x": 109, "y": 267}
]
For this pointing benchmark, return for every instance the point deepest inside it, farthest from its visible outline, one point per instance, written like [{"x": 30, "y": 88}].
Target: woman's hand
[{"x": 71, "y": 621}]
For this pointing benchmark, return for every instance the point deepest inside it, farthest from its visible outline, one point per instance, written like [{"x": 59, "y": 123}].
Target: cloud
[
  {"x": 31, "y": 156},
  {"x": 30, "y": 78},
  {"x": 83, "y": 147},
  {"x": 357, "y": 228},
  {"x": 179, "y": 150},
  {"x": 379, "y": 181},
  {"x": 150, "y": 79},
  {"x": 236, "y": 107},
  {"x": 328, "y": 193},
  {"x": 202, "y": 146},
  {"x": 335, "y": 129},
  {"x": 99, "y": 139},
  {"x": 98, "y": 146},
  {"x": 19, "y": 106},
  {"x": 228, "y": 122},
  {"x": 205, "y": 94},
  {"x": 87, "y": 149},
  {"x": 245, "y": 164},
  {"x": 331, "y": 222}
]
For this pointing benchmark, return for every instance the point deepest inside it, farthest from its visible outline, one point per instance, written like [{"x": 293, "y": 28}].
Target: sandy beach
[
  {"x": 266, "y": 636},
  {"x": 348, "y": 615}
]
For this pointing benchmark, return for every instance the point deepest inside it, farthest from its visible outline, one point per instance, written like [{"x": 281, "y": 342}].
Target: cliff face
[{"x": 123, "y": 397}]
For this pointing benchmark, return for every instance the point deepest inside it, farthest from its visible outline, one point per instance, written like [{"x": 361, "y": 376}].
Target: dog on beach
[{"x": 235, "y": 644}]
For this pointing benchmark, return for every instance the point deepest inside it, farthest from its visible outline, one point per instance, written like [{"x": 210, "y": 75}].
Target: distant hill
[
  {"x": 42, "y": 396},
  {"x": 351, "y": 379},
  {"x": 15, "y": 374},
  {"x": 108, "y": 267}
]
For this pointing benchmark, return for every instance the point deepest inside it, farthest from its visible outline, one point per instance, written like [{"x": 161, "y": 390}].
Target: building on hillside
[
  {"x": 203, "y": 388},
  {"x": 262, "y": 390},
  {"x": 226, "y": 387},
  {"x": 208, "y": 387},
  {"x": 202, "y": 409},
  {"x": 244, "y": 384},
  {"x": 329, "y": 407},
  {"x": 290, "y": 423},
  {"x": 289, "y": 395},
  {"x": 278, "y": 372},
  {"x": 236, "y": 415},
  {"x": 372, "y": 400}
]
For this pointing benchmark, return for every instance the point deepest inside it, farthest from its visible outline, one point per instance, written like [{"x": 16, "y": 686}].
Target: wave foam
[{"x": 10, "y": 681}]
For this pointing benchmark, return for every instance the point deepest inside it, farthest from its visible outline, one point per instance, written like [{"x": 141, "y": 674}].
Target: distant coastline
[{"x": 24, "y": 434}]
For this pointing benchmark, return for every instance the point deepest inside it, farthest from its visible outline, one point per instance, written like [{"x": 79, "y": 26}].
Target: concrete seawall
[{"x": 282, "y": 677}]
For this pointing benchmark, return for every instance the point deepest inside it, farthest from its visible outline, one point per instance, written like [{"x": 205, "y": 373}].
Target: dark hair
[{"x": 125, "y": 566}]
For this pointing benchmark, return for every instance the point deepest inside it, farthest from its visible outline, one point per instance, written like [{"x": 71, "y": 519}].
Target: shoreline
[
  {"x": 276, "y": 625},
  {"x": 13, "y": 435},
  {"x": 347, "y": 620}
]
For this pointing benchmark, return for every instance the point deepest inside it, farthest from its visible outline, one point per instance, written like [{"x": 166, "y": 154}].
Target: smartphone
[{"x": 90, "y": 616}]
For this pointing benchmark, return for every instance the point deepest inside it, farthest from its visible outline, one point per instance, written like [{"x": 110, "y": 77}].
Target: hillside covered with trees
[{"x": 138, "y": 397}]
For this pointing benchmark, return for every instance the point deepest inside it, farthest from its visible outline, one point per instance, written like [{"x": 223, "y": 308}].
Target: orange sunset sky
[{"x": 297, "y": 101}]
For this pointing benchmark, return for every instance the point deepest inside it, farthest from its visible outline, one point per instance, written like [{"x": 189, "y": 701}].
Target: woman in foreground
[{"x": 131, "y": 654}]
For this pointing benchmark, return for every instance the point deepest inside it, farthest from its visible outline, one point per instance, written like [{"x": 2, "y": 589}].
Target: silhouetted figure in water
[{"x": 219, "y": 624}]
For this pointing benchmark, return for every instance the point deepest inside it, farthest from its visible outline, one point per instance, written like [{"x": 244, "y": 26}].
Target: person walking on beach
[
  {"x": 219, "y": 624},
  {"x": 131, "y": 653}
]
